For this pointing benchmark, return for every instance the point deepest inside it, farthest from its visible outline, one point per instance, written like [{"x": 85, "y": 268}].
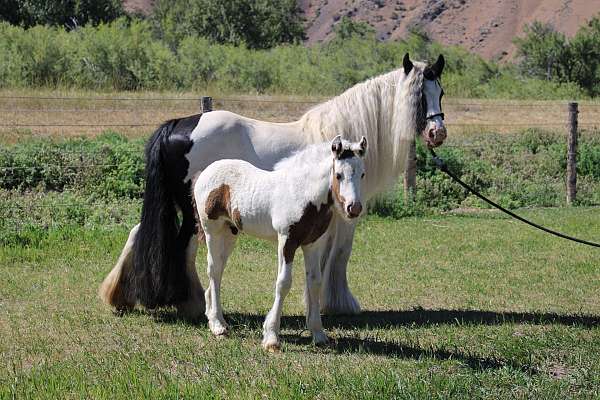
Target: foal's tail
[{"x": 159, "y": 268}]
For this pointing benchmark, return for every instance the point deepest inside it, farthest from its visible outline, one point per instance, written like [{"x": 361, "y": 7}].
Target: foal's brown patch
[
  {"x": 335, "y": 187},
  {"x": 313, "y": 223},
  {"x": 218, "y": 204}
]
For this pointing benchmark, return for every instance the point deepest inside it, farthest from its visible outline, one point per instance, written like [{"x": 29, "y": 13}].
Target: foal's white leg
[
  {"x": 194, "y": 305},
  {"x": 336, "y": 297},
  {"x": 272, "y": 323},
  {"x": 312, "y": 257},
  {"x": 116, "y": 290},
  {"x": 220, "y": 243}
]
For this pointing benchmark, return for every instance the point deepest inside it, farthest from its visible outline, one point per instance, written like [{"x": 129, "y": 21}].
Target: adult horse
[{"x": 157, "y": 265}]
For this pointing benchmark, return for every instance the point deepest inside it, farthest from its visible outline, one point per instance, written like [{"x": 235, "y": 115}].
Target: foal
[{"x": 292, "y": 204}]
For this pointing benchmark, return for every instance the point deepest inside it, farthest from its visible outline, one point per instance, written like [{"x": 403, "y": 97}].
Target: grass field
[{"x": 456, "y": 306}]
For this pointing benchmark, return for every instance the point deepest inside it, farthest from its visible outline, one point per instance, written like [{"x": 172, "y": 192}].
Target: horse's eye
[
  {"x": 338, "y": 177},
  {"x": 362, "y": 176}
]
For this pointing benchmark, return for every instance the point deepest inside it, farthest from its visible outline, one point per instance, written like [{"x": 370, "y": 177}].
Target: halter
[
  {"x": 440, "y": 114},
  {"x": 435, "y": 115}
]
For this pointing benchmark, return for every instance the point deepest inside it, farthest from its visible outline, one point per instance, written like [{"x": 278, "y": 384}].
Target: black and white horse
[{"x": 157, "y": 265}]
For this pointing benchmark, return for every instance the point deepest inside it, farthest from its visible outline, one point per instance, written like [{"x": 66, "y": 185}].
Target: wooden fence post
[
  {"x": 205, "y": 104},
  {"x": 410, "y": 173},
  {"x": 572, "y": 155}
]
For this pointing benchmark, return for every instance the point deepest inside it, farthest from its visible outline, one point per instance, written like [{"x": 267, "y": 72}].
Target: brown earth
[{"x": 486, "y": 27}]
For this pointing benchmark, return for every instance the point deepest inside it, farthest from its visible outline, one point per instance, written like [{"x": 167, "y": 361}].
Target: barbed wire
[
  {"x": 132, "y": 110},
  {"x": 461, "y": 124},
  {"x": 94, "y": 110},
  {"x": 492, "y": 103},
  {"x": 19, "y": 125},
  {"x": 94, "y": 98}
]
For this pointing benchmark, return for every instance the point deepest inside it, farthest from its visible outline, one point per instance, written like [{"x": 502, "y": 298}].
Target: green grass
[{"x": 456, "y": 306}]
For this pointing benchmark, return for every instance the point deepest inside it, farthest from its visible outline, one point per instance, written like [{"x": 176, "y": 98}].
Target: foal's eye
[
  {"x": 338, "y": 177},
  {"x": 362, "y": 176}
]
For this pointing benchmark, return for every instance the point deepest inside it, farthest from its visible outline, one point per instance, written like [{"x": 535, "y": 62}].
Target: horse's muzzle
[{"x": 435, "y": 136}]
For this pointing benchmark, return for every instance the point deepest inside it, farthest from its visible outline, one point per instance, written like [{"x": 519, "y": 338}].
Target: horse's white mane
[
  {"x": 383, "y": 109},
  {"x": 309, "y": 155}
]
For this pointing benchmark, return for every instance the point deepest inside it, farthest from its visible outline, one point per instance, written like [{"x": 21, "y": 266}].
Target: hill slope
[{"x": 485, "y": 27}]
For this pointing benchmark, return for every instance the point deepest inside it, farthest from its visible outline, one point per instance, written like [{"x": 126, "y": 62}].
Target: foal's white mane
[
  {"x": 384, "y": 110},
  {"x": 312, "y": 166}
]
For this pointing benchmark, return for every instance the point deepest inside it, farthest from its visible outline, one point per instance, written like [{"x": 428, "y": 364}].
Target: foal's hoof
[
  {"x": 272, "y": 348},
  {"x": 271, "y": 344}
]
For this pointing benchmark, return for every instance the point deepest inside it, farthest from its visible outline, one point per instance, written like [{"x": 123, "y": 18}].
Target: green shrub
[
  {"x": 28, "y": 218},
  {"x": 107, "y": 166},
  {"x": 526, "y": 169},
  {"x": 126, "y": 55}
]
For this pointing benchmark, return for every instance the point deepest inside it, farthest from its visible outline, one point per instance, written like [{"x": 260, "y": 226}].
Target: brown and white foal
[{"x": 292, "y": 204}]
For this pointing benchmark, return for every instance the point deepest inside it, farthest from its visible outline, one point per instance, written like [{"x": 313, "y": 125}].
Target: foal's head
[{"x": 347, "y": 173}]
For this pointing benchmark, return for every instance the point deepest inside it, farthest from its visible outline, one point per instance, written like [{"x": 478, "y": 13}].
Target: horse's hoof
[
  {"x": 320, "y": 339},
  {"x": 191, "y": 310},
  {"x": 218, "y": 329}
]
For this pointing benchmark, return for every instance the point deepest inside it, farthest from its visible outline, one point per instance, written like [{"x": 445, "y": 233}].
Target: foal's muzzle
[{"x": 354, "y": 209}]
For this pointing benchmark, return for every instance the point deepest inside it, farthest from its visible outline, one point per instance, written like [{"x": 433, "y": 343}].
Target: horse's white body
[
  {"x": 386, "y": 109},
  {"x": 293, "y": 204}
]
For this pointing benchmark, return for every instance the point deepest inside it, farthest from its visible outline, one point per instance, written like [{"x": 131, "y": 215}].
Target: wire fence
[
  {"x": 76, "y": 115},
  {"x": 67, "y": 116}
]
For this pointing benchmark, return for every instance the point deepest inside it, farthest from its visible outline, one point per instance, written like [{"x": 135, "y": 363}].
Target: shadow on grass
[
  {"x": 406, "y": 318},
  {"x": 390, "y": 319},
  {"x": 396, "y": 349},
  {"x": 423, "y": 317}
]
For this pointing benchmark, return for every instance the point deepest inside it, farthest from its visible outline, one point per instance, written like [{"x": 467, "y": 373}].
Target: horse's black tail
[{"x": 159, "y": 273}]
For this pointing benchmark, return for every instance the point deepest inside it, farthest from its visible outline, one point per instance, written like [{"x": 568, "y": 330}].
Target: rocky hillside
[{"x": 485, "y": 27}]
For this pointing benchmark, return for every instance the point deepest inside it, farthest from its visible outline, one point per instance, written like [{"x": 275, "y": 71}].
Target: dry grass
[
  {"x": 57, "y": 113},
  {"x": 42, "y": 112}
]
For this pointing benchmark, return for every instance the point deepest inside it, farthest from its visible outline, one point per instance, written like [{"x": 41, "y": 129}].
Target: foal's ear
[
  {"x": 407, "y": 64},
  {"x": 438, "y": 67},
  {"x": 363, "y": 146},
  {"x": 336, "y": 145}
]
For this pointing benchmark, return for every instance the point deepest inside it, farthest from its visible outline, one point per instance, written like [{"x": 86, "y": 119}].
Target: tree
[
  {"x": 347, "y": 29},
  {"x": 546, "y": 53},
  {"x": 585, "y": 52},
  {"x": 59, "y": 12},
  {"x": 257, "y": 24}
]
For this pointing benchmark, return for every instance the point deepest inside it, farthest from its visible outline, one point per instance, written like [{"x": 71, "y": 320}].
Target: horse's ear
[
  {"x": 336, "y": 145},
  {"x": 438, "y": 67},
  {"x": 407, "y": 64},
  {"x": 363, "y": 146}
]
